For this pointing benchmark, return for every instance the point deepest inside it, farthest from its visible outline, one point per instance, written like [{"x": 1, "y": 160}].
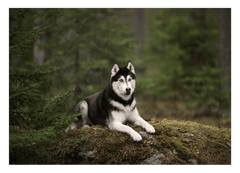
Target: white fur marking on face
[
  {"x": 131, "y": 82},
  {"x": 121, "y": 85}
]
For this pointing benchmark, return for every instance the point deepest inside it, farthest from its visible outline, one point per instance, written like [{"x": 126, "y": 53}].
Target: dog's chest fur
[{"x": 123, "y": 113}]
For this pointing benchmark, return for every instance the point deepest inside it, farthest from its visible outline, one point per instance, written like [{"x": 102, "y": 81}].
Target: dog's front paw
[
  {"x": 72, "y": 126},
  {"x": 150, "y": 129},
  {"x": 136, "y": 137},
  {"x": 85, "y": 126},
  {"x": 67, "y": 129}
]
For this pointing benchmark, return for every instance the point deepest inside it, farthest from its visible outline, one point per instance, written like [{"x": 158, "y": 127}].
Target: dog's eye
[
  {"x": 129, "y": 79},
  {"x": 120, "y": 80}
]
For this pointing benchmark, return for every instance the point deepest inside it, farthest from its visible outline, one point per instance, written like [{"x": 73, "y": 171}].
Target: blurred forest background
[{"x": 182, "y": 59}]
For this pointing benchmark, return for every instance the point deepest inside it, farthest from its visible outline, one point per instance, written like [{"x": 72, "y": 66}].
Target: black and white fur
[{"x": 115, "y": 105}]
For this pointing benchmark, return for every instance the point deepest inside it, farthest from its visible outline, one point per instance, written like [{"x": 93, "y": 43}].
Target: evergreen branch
[
  {"x": 17, "y": 111},
  {"x": 30, "y": 131},
  {"x": 14, "y": 32}
]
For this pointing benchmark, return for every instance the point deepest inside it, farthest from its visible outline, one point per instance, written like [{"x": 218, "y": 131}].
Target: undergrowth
[{"x": 179, "y": 141}]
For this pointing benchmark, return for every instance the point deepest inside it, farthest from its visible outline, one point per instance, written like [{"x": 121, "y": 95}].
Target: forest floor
[
  {"x": 185, "y": 134},
  {"x": 175, "y": 142},
  {"x": 149, "y": 108}
]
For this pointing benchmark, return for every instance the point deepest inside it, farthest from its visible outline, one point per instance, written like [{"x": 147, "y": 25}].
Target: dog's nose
[{"x": 128, "y": 90}]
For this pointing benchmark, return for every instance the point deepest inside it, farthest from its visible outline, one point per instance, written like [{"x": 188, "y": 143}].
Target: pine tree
[
  {"x": 34, "y": 119},
  {"x": 183, "y": 48},
  {"x": 85, "y": 43}
]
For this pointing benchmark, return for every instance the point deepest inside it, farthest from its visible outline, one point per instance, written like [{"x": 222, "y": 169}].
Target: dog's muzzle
[{"x": 128, "y": 91}]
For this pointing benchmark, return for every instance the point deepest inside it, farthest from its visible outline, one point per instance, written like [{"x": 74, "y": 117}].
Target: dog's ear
[
  {"x": 114, "y": 70},
  {"x": 130, "y": 67}
]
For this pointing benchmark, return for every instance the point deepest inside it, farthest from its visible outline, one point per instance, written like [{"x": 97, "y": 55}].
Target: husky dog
[{"x": 114, "y": 106}]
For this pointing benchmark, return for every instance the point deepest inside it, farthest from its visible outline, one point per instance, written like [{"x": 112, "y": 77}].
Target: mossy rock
[{"x": 181, "y": 142}]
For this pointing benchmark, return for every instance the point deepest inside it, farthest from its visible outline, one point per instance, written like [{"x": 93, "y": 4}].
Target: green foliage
[
  {"x": 48, "y": 152},
  {"x": 85, "y": 43},
  {"x": 25, "y": 96},
  {"x": 34, "y": 119},
  {"x": 182, "y": 56},
  {"x": 21, "y": 39}
]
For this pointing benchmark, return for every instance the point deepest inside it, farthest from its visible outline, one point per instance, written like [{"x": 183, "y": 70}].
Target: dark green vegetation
[
  {"x": 183, "y": 57},
  {"x": 84, "y": 43},
  {"x": 149, "y": 107},
  {"x": 179, "y": 141},
  {"x": 42, "y": 96},
  {"x": 34, "y": 119},
  {"x": 59, "y": 56}
]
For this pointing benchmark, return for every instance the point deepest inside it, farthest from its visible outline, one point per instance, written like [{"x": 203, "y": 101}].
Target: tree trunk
[
  {"x": 225, "y": 51},
  {"x": 139, "y": 29},
  {"x": 77, "y": 90},
  {"x": 39, "y": 54}
]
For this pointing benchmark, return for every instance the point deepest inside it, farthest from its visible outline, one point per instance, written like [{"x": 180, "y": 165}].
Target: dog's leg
[
  {"x": 74, "y": 125},
  {"x": 84, "y": 110},
  {"x": 139, "y": 121},
  {"x": 83, "y": 119},
  {"x": 125, "y": 129}
]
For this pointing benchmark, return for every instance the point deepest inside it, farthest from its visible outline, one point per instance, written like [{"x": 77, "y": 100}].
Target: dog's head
[{"x": 123, "y": 80}]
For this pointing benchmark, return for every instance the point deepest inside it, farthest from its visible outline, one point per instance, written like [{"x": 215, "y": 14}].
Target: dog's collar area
[{"x": 120, "y": 107}]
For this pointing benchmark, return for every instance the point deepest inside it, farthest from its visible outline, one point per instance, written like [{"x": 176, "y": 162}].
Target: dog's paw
[
  {"x": 67, "y": 129},
  {"x": 150, "y": 129},
  {"x": 136, "y": 137},
  {"x": 72, "y": 127}
]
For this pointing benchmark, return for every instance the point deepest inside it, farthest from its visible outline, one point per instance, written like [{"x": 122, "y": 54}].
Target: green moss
[
  {"x": 185, "y": 140},
  {"x": 206, "y": 144},
  {"x": 193, "y": 140},
  {"x": 221, "y": 147},
  {"x": 179, "y": 145},
  {"x": 83, "y": 130},
  {"x": 159, "y": 138}
]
